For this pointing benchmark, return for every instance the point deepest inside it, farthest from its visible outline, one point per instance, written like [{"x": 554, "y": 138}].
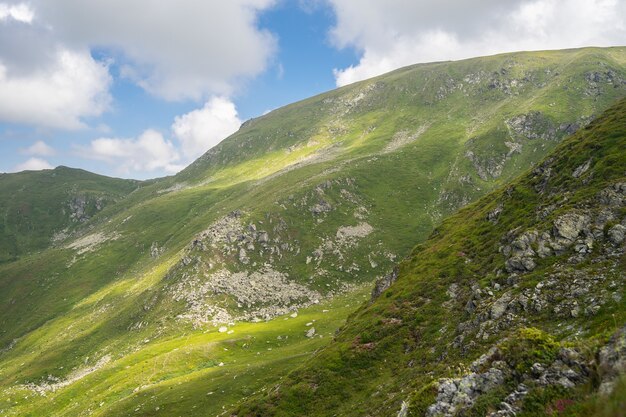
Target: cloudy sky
[{"x": 139, "y": 89}]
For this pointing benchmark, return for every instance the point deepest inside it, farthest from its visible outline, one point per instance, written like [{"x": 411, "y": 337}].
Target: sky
[{"x": 140, "y": 89}]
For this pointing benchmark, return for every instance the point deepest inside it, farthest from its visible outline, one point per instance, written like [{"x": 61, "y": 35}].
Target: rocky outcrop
[
  {"x": 260, "y": 294},
  {"x": 460, "y": 393},
  {"x": 383, "y": 283},
  {"x": 612, "y": 361},
  {"x": 499, "y": 368},
  {"x": 577, "y": 230}
]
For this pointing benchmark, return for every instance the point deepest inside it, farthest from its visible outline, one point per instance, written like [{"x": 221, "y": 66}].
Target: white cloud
[
  {"x": 191, "y": 49},
  {"x": 201, "y": 129},
  {"x": 59, "y": 96},
  {"x": 151, "y": 153},
  {"x": 147, "y": 153},
  {"x": 396, "y": 33},
  {"x": 19, "y": 12},
  {"x": 176, "y": 50},
  {"x": 33, "y": 164},
  {"x": 39, "y": 148}
]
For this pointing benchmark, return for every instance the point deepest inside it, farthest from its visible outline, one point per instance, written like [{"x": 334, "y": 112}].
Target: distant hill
[{"x": 39, "y": 206}]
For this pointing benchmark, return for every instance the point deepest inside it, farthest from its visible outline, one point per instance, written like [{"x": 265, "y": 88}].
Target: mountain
[
  {"x": 196, "y": 291},
  {"x": 513, "y": 307},
  {"x": 41, "y": 207}
]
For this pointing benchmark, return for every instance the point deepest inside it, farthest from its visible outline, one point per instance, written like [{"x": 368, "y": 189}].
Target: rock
[
  {"x": 322, "y": 207},
  {"x": 520, "y": 253},
  {"x": 617, "y": 234},
  {"x": 404, "y": 410},
  {"x": 612, "y": 361},
  {"x": 518, "y": 264},
  {"x": 155, "y": 250},
  {"x": 499, "y": 307},
  {"x": 311, "y": 332},
  {"x": 243, "y": 256},
  {"x": 460, "y": 393},
  {"x": 263, "y": 237},
  {"x": 494, "y": 214},
  {"x": 222, "y": 329},
  {"x": 383, "y": 283},
  {"x": 570, "y": 225},
  {"x": 582, "y": 169}
]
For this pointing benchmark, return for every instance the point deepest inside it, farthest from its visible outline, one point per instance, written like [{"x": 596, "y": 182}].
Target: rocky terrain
[
  {"x": 203, "y": 289},
  {"x": 513, "y": 307}
]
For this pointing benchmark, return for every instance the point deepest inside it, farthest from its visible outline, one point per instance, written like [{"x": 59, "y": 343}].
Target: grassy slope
[
  {"x": 413, "y": 324},
  {"x": 36, "y": 205},
  {"x": 112, "y": 299}
]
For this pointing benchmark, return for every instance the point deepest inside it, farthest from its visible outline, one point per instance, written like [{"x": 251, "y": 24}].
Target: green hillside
[
  {"x": 40, "y": 207},
  {"x": 513, "y": 306},
  {"x": 300, "y": 211}
]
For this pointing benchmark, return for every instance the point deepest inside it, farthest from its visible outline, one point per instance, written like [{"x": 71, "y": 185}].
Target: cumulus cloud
[
  {"x": 39, "y": 148},
  {"x": 33, "y": 164},
  {"x": 192, "y": 134},
  {"x": 190, "y": 49},
  {"x": 396, "y": 33},
  {"x": 147, "y": 153},
  {"x": 42, "y": 81},
  {"x": 19, "y": 12},
  {"x": 176, "y": 50},
  {"x": 204, "y": 128}
]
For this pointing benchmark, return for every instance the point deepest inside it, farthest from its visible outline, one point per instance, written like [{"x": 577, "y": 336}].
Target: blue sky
[{"x": 130, "y": 89}]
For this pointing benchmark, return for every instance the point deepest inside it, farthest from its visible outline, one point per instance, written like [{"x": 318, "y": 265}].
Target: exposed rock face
[
  {"x": 494, "y": 214},
  {"x": 80, "y": 207},
  {"x": 494, "y": 370},
  {"x": 156, "y": 250},
  {"x": 569, "y": 226},
  {"x": 617, "y": 234},
  {"x": 321, "y": 207},
  {"x": 486, "y": 168},
  {"x": 455, "y": 394},
  {"x": 261, "y": 295},
  {"x": 520, "y": 253},
  {"x": 612, "y": 361},
  {"x": 384, "y": 283},
  {"x": 579, "y": 171},
  {"x": 533, "y": 125}
]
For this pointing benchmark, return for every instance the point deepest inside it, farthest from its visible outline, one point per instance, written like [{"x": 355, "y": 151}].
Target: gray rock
[
  {"x": 617, "y": 234},
  {"x": 322, "y": 207},
  {"x": 460, "y": 393},
  {"x": 404, "y": 410},
  {"x": 582, "y": 169},
  {"x": 570, "y": 225},
  {"x": 384, "y": 283},
  {"x": 494, "y": 214},
  {"x": 499, "y": 307},
  {"x": 612, "y": 361},
  {"x": 263, "y": 237}
]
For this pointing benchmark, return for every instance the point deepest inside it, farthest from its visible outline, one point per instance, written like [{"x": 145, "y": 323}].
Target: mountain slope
[
  {"x": 506, "y": 310},
  {"x": 37, "y": 205},
  {"x": 297, "y": 212}
]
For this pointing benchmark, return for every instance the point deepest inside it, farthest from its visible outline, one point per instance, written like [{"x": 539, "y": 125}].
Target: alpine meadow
[{"x": 445, "y": 239}]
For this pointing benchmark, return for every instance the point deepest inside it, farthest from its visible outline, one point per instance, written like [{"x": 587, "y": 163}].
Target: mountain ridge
[
  {"x": 455, "y": 326},
  {"x": 307, "y": 206}
]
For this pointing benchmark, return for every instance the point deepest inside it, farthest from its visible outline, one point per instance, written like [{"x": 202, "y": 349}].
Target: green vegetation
[
  {"x": 343, "y": 184},
  {"x": 36, "y": 205},
  {"x": 422, "y": 328}
]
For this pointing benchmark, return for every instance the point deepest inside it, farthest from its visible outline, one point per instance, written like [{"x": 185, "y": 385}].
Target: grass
[
  {"x": 405, "y": 359},
  {"x": 63, "y": 310}
]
